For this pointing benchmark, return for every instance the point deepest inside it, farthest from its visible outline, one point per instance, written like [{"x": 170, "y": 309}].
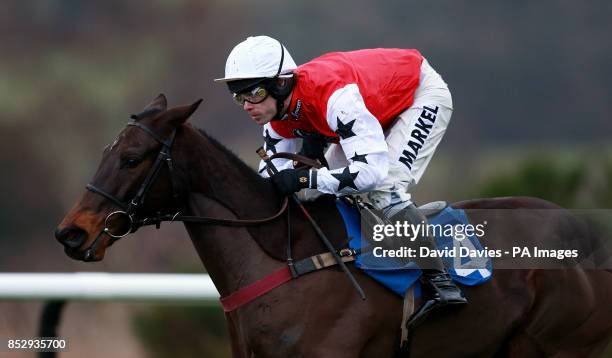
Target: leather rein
[{"x": 129, "y": 209}]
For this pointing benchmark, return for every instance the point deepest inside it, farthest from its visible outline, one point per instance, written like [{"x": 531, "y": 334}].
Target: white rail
[{"x": 193, "y": 288}]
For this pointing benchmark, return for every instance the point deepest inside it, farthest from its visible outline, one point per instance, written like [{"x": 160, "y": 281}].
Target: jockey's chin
[{"x": 261, "y": 119}]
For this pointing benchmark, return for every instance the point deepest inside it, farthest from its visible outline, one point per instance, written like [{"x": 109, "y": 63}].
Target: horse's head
[{"x": 135, "y": 181}]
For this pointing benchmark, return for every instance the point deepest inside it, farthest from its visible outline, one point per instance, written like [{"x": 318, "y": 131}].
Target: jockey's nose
[{"x": 71, "y": 236}]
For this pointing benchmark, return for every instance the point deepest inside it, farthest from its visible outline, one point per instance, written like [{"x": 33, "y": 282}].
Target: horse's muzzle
[{"x": 71, "y": 236}]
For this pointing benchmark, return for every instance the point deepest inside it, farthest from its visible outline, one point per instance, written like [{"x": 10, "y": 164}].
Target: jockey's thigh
[{"x": 413, "y": 139}]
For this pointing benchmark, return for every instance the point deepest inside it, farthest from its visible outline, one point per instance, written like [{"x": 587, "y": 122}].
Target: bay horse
[{"x": 519, "y": 313}]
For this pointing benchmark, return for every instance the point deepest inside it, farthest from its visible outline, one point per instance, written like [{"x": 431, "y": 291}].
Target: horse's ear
[
  {"x": 179, "y": 115},
  {"x": 158, "y": 104}
]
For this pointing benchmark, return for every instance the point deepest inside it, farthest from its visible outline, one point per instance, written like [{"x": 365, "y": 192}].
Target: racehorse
[{"x": 519, "y": 313}]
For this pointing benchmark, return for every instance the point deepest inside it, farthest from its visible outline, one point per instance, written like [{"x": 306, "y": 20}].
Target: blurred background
[{"x": 531, "y": 84}]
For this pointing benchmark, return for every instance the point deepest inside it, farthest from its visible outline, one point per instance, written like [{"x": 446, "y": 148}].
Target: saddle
[{"x": 402, "y": 276}]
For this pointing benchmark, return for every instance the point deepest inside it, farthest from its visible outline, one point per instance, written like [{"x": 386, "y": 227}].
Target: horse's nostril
[
  {"x": 71, "y": 236},
  {"x": 59, "y": 233}
]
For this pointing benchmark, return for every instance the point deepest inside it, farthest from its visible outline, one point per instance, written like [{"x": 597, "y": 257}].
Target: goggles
[{"x": 256, "y": 95}]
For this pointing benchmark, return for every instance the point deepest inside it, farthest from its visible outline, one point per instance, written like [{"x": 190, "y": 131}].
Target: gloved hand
[{"x": 289, "y": 181}]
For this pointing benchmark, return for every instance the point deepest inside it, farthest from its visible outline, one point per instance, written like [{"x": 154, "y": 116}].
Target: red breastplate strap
[
  {"x": 260, "y": 287},
  {"x": 279, "y": 277}
]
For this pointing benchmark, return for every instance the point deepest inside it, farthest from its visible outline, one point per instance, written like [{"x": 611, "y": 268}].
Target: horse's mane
[{"x": 234, "y": 160}]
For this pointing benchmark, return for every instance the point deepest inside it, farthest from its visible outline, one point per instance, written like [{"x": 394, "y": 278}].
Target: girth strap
[{"x": 277, "y": 278}]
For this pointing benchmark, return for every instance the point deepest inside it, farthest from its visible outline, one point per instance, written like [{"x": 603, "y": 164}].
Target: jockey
[{"x": 384, "y": 111}]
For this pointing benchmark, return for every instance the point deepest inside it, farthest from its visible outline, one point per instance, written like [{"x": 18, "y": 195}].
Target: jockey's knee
[{"x": 389, "y": 199}]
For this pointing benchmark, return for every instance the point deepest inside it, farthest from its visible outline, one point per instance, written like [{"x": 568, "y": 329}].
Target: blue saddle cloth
[{"x": 399, "y": 280}]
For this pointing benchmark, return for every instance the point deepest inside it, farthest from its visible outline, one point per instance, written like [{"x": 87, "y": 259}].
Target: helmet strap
[
  {"x": 282, "y": 60},
  {"x": 280, "y": 94}
]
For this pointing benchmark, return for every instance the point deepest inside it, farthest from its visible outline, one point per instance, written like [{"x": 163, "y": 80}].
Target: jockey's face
[{"x": 261, "y": 112}]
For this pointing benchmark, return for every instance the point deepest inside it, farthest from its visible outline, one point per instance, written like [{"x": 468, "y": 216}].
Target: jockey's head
[{"x": 259, "y": 74}]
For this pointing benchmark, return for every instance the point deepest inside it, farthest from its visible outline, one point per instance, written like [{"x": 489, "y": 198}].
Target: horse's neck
[
  {"x": 219, "y": 174},
  {"x": 221, "y": 186}
]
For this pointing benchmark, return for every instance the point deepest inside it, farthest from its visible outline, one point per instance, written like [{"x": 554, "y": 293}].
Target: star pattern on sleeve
[
  {"x": 271, "y": 142},
  {"x": 345, "y": 131},
  {"x": 346, "y": 179},
  {"x": 359, "y": 158}
]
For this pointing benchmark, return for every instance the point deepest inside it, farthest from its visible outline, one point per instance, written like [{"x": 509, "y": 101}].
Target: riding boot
[{"x": 444, "y": 290}]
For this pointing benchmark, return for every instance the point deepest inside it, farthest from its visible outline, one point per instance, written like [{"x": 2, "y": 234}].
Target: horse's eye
[{"x": 130, "y": 163}]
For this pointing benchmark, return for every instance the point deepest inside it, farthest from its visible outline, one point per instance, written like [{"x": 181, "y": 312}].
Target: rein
[
  {"x": 219, "y": 221},
  {"x": 297, "y": 159}
]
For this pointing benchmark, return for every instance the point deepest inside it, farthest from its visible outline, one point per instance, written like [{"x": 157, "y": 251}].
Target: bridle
[{"x": 129, "y": 209}]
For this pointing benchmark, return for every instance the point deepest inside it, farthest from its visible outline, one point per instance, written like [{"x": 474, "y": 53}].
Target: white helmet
[{"x": 258, "y": 57}]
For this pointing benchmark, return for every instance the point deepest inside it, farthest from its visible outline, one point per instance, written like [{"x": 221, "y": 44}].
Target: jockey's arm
[
  {"x": 274, "y": 143},
  {"x": 362, "y": 140}
]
